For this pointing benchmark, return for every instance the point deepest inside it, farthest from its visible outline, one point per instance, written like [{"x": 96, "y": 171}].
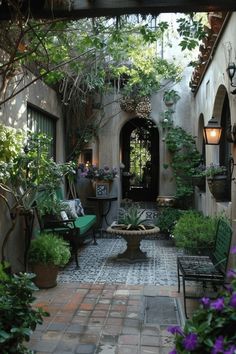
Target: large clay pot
[
  {"x": 219, "y": 187},
  {"x": 46, "y": 275}
]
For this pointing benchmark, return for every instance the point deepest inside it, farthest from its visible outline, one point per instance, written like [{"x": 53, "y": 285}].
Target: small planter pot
[
  {"x": 46, "y": 275},
  {"x": 169, "y": 103},
  {"x": 219, "y": 187}
]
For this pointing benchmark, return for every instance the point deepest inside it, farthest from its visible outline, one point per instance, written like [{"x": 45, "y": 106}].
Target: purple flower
[
  {"x": 205, "y": 301},
  {"x": 173, "y": 351},
  {"x": 233, "y": 250},
  {"x": 229, "y": 288},
  {"x": 190, "y": 341},
  {"x": 232, "y": 300},
  {"x": 218, "y": 346},
  {"x": 175, "y": 330},
  {"x": 218, "y": 304},
  {"x": 231, "y": 273},
  {"x": 230, "y": 350}
]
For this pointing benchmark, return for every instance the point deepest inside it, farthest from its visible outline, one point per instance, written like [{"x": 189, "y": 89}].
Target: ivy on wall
[{"x": 185, "y": 158}]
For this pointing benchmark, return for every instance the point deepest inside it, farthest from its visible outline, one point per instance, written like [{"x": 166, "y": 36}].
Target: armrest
[{"x": 70, "y": 223}]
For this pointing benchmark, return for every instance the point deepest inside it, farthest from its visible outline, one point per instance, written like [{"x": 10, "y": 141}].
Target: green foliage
[
  {"x": 214, "y": 170},
  {"x": 167, "y": 219},
  {"x": 11, "y": 144},
  {"x": 18, "y": 319},
  {"x": 191, "y": 30},
  {"x": 30, "y": 169},
  {"x": 171, "y": 95},
  {"x": 185, "y": 157},
  {"x": 167, "y": 118},
  {"x": 195, "y": 232},
  {"x": 132, "y": 219},
  {"x": 49, "y": 248},
  {"x": 212, "y": 327}
]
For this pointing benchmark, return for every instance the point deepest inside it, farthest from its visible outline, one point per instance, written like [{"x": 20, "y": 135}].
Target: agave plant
[{"x": 132, "y": 219}]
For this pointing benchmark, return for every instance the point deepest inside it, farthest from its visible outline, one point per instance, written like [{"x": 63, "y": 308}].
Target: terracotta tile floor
[{"x": 102, "y": 318}]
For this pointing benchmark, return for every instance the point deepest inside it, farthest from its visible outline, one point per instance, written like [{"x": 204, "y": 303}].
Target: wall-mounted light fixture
[
  {"x": 231, "y": 70},
  {"x": 212, "y": 132},
  {"x": 231, "y": 133}
]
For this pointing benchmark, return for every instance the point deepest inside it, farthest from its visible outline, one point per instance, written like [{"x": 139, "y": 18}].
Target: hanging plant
[
  {"x": 127, "y": 104},
  {"x": 143, "y": 108},
  {"x": 170, "y": 97}
]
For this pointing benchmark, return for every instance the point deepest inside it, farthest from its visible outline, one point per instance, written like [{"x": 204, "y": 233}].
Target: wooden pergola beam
[{"x": 77, "y": 9}]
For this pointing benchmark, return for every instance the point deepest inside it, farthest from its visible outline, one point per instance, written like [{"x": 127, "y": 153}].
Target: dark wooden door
[{"x": 140, "y": 155}]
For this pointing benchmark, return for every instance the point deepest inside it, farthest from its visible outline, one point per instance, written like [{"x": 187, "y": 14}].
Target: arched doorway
[{"x": 139, "y": 141}]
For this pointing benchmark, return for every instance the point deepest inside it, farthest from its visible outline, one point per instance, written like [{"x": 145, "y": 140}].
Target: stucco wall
[
  {"x": 115, "y": 119},
  {"x": 14, "y": 113},
  {"x": 208, "y": 102}
]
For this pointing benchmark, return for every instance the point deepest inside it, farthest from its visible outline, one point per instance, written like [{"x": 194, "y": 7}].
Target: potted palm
[
  {"x": 47, "y": 253},
  {"x": 218, "y": 181}
]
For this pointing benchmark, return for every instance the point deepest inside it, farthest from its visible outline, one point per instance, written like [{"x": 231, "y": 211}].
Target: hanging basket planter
[
  {"x": 219, "y": 187},
  {"x": 127, "y": 104},
  {"x": 143, "y": 108}
]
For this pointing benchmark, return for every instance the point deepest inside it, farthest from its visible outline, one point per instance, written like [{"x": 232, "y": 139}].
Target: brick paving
[{"x": 99, "y": 319}]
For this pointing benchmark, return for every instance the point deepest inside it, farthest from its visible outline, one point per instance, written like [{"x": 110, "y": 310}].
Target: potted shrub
[
  {"x": 47, "y": 253},
  {"x": 195, "y": 232},
  {"x": 167, "y": 219},
  {"x": 218, "y": 181},
  {"x": 170, "y": 97}
]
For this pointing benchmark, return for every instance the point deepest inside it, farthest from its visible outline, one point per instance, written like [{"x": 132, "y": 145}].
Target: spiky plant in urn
[{"x": 133, "y": 227}]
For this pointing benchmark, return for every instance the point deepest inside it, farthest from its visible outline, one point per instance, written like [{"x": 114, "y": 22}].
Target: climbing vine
[{"x": 185, "y": 158}]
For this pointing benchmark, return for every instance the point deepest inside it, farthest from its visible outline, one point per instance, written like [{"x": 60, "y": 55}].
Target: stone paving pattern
[
  {"x": 99, "y": 318},
  {"x": 99, "y": 309},
  {"x": 98, "y": 264}
]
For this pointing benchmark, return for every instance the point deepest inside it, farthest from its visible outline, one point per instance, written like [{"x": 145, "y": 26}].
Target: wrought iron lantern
[
  {"x": 231, "y": 70},
  {"x": 212, "y": 132}
]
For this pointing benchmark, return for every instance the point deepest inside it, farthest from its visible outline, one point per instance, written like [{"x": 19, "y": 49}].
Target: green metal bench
[
  {"x": 206, "y": 269},
  {"x": 74, "y": 230}
]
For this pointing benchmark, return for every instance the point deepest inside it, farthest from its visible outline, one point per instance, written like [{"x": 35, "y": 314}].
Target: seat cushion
[{"x": 84, "y": 223}]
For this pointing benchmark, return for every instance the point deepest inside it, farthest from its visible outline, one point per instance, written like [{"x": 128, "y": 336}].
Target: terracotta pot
[
  {"x": 219, "y": 187},
  {"x": 169, "y": 103},
  {"x": 46, "y": 275}
]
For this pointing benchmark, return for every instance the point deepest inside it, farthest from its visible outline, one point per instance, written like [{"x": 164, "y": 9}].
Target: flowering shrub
[
  {"x": 96, "y": 173},
  {"x": 212, "y": 327}
]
